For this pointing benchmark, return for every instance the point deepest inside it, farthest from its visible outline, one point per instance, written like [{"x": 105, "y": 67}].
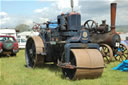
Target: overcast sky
[{"x": 14, "y": 12}]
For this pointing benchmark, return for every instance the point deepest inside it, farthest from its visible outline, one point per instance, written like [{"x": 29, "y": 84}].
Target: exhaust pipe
[
  {"x": 72, "y": 5},
  {"x": 113, "y": 17}
]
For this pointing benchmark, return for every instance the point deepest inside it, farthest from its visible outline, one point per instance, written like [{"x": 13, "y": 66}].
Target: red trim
[{"x": 73, "y": 13}]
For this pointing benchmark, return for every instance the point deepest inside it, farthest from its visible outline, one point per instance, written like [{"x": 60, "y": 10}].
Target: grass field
[{"x": 14, "y": 72}]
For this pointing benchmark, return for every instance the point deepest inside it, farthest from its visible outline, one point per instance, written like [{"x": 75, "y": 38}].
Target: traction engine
[{"x": 109, "y": 40}]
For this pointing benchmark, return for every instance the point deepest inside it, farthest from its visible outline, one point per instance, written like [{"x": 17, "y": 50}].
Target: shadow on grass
[
  {"x": 54, "y": 68},
  {"x": 6, "y": 56},
  {"x": 51, "y": 67}
]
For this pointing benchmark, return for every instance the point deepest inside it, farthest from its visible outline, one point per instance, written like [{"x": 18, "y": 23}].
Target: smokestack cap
[{"x": 114, "y": 4}]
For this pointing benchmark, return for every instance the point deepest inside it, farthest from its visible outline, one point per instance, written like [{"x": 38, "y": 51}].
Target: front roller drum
[
  {"x": 34, "y": 48},
  {"x": 88, "y": 63}
]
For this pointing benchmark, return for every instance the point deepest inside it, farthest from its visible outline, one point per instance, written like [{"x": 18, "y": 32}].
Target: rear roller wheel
[
  {"x": 34, "y": 48},
  {"x": 121, "y": 53},
  {"x": 106, "y": 52},
  {"x": 88, "y": 63}
]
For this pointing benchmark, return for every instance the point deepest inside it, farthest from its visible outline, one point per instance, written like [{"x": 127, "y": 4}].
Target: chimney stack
[
  {"x": 72, "y": 5},
  {"x": 113, "y": 17}
]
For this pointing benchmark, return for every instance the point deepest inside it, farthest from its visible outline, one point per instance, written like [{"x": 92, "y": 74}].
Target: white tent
[
  {"x": 123, "y": 36},
  {"x": 11, "y": 32}
]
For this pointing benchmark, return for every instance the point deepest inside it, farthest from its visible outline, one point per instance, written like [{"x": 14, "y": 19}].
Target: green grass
[
  {"x": 14, "y": 72},
  {"x": 0, "y": 70}
]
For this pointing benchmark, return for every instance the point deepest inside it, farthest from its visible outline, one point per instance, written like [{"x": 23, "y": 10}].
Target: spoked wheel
[
  {"x": 91, "y": 25},
  {"x": 88, "y": 63},
  {"x": 121, "y": 53},
  {"x": 106, "y": 52},
  {"x": 34, "y": 47}
]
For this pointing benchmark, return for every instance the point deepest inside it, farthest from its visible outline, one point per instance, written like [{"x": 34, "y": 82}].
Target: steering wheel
[
  {"x": 90, "y": 25},
  {"x": 36, "y": 28}
]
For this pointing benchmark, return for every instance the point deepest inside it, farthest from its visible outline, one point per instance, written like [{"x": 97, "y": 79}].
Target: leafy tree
[{"x": 22, "y": 27}]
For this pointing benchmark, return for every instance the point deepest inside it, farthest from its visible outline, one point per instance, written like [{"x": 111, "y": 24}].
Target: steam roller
[
  {"x": 83, "y": 63},
  {"x": 66, "y": 43}
]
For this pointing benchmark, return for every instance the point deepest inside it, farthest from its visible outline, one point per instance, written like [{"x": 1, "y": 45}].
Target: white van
[
  {"x": 11, "y": 32},
  {"x": 21, "y": 42}
]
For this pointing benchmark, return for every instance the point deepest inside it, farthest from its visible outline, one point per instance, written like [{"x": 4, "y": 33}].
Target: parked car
[
  {"x": 8, "y": 45},
  {"x": 21, "y": 42}
]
